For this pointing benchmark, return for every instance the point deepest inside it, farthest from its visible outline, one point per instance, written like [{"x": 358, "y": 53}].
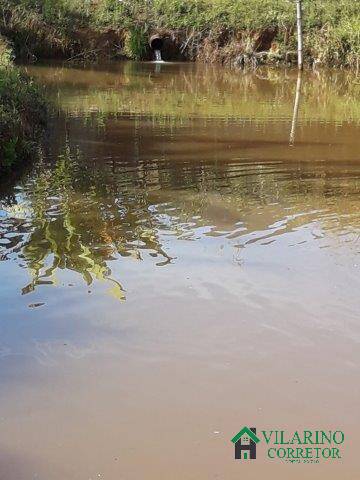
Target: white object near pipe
[{"x": 158, "y": 56}]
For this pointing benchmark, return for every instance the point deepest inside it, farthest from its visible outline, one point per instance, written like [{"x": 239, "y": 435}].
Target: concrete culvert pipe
[{"x": 156, "y": 42}]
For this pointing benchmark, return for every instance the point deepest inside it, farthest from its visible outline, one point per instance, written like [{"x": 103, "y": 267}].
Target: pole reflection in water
[{"x": 296, "y": 108}]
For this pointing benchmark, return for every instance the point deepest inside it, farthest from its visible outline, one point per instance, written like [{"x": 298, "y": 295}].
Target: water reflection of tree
[{"x": 81, "y": 231}]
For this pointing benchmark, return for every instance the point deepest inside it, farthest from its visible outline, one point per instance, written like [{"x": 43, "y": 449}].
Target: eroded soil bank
[{"x": 225, "y": 31}]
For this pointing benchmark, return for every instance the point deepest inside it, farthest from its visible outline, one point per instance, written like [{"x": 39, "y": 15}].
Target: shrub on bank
[
  {"x": 22, "y": 116},
  {"x": 5, "y": 53}
]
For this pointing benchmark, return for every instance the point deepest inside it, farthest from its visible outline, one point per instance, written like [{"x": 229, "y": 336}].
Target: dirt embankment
[{"x": 226, "y": 31}]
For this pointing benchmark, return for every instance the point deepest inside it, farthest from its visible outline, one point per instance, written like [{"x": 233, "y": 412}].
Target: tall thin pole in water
[{"x": 299, "y": 33}]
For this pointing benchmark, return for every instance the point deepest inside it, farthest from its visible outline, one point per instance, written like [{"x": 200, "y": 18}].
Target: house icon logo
[{"x": 245, "y": 444}]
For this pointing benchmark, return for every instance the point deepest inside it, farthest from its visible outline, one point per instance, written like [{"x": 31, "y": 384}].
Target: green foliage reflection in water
[
  {"x": 77, "y": 225},
  {"x": 60, "y": 239},
  {"x": 207, "y": 92}
]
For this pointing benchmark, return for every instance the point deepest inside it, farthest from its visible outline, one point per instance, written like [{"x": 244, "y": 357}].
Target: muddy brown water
[{"x": 175, "y": 267}]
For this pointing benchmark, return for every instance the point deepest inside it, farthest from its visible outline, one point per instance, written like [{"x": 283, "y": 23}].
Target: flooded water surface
[{"x": 182, "y": 260}]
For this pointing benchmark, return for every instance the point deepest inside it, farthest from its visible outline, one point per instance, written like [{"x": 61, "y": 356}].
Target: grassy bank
[
  {"x": 229, "y": 31},
  {"x": 22, "y": 112}
]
